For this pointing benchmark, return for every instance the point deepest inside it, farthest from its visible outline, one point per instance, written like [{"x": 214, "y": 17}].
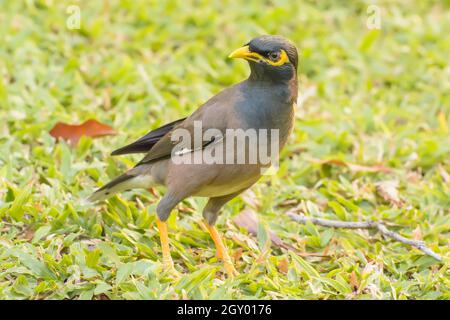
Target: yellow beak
[{"x": 245, "y": 53}]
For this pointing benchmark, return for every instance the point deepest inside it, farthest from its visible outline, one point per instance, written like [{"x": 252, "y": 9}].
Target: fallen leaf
[
  {"x": 153, "y": 192},
  {"x": 413, "y": 176},
  {"x": 417, "y": 234},
  {"x": 332, "y": 242},
  {"x": 237, "y": 254},
  {"x": 354, "y": 281},
  {"x": 352, "y": 166},
  {"x": 288, "y": 203},
  {"x": 248, "y": 220},
  {"x": 102, "y": 297},
  {"x": 73, "y": 133},
  {"x": 283, "y": 265},
  {"x": 185, "y": 209},
  {"x": 444, "y": 174},
  {"x": 388, "y": 191},
  {"x": 27, "y": 234},
  {"x": 251, "y": 199}
]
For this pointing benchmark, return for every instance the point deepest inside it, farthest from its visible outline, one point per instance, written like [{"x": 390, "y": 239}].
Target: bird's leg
[
  {"x": 164, "y": 237},
  {"x": 222, "y": 251},
  {"x": 210, "y": 213}
]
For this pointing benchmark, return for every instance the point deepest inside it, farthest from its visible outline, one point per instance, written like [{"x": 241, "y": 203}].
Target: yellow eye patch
[
  {"x": 281, "y": 60},
  {"x": 245, "y": 53}
]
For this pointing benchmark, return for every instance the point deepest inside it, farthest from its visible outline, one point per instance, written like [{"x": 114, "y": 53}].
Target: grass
[{"x": 370, "y": 97}]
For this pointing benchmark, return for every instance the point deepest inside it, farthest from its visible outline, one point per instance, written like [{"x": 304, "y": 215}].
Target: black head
[{"x": 270, "y": 57}]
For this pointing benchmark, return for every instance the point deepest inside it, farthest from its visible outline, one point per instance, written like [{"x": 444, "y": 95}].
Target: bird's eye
[{"x": 274, "y": 55}]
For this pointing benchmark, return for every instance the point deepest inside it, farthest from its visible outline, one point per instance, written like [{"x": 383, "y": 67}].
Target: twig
[{"x": 366, "y": 225}]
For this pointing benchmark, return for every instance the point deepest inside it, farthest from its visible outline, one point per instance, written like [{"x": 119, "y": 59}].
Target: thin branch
[{"x": 365, "y": 225}]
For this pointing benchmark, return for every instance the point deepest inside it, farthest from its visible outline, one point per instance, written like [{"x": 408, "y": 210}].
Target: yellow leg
[
  {"x": 222, "y": 251},
  {"x": 164, "y": 237}
]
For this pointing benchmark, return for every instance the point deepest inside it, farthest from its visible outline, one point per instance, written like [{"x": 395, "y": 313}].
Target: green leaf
[
  {"x": 40, "y": 233},
  {"x": 123, "y": 272},
  {"x": 305, "y": 266},
  {"x": 17, "y": 209},
  {"x": 369, "y": 39}
]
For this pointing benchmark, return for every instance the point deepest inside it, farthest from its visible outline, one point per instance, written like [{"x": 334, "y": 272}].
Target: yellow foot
[
  {"x": 170, "y": 271},
  {"x": 168, "y": 266},
  {"x": 222, "y": 251},
  {"x": 231, "y": 271}
]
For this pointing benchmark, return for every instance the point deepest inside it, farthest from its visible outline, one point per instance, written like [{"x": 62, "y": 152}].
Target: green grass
[{"x": 373, "y": 97}]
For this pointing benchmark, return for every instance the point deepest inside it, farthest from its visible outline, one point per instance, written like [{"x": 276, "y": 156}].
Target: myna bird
[{"x": 265, "y": 101}]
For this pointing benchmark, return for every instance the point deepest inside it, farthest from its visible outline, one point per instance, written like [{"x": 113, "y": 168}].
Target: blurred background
[{"x": 371, "y": 141}]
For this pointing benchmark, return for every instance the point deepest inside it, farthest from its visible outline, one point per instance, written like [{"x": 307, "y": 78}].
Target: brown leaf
[
  {"x": 185, "y": 209},
  {"x": 413, "y": 176},
  {"x": 73, "y": 133},
  {"x": 288, "y": 203},
  {"x": 444, "y": 174},
  {"x": 102, "y": 296},
  {"x": 388, "y": 190},
  {"x": 27, "y": 234},
  {"x": 237, "y": 254},
  {"x": 153, "y": 192},
  {"x": 354, "y": 281},
  {"x": 352, "y": 166},
  {"x": 417, "y": 234},
  {"x": 248, "y": 220},
  {"x": 251, "y": 199},
  {"x": 283, "y": 265}
]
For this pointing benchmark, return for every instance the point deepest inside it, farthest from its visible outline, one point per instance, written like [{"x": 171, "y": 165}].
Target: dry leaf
[
  {"x": 237, "y": 254},
  {"x": 332, "y": 242},
  {"x": 248, "y": 220},
  {"x": 444, "y": 174},
  {"x": 353, "y": 167},
  {"x": 417, "y": 234},
  {"x": 27, "y": 234},
  {"x": 153, "y": 192},
  {"x": 288, "y": 203},
  {"x": 251, "y": 199},
  {"x": 73, "y": 133},
  {"x": 388, "y": 190},
  {"x": 185, "y": 209},
  {"x": 413, "y": 176},
  {"x": 283, "y": 265},
  {"x": 354, "y": 281}
]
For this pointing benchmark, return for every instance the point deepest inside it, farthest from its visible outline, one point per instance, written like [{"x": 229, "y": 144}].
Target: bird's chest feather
[{"x": 267, "y": 107}]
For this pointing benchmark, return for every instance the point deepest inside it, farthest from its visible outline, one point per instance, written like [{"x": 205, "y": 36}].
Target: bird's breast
[{"x": 267, "y": 108}]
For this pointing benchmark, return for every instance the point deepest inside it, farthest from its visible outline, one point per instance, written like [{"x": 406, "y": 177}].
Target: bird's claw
[
  {"x": 169, "y": 269},
  {"x": 229, "y": 268}
]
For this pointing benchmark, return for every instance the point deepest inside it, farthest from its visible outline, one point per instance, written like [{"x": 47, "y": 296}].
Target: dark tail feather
[{"x": 111, "y": 188}]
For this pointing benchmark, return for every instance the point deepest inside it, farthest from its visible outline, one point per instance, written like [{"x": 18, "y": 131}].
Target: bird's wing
[
  {"x": 214, "y": 114},
  {"x": 145, "y": 143},
  {"x": 165, "y": 146}
]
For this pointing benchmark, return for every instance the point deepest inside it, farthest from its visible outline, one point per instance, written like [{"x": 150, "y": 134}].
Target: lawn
[{"x": 371, "y": 142}]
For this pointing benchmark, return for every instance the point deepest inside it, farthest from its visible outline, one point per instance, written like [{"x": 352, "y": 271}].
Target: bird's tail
[{"x": 123, "y": 182}]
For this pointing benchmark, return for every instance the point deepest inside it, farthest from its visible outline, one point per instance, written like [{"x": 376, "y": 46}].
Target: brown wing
[
  {"x": 215, "y": 113},
  {"x": 145, "y": 143}
]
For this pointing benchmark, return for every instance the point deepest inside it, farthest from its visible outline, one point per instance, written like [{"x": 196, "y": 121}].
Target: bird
[{"x": 264, "y": 102}]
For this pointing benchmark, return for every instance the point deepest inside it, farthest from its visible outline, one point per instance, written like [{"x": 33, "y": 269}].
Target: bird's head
[{"x": 270, "y": 57}]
